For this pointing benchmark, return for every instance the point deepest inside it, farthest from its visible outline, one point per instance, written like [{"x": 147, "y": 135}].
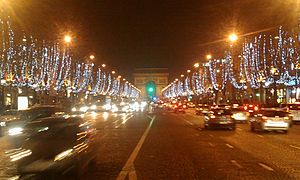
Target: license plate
[{"x": 223, "y": 122}]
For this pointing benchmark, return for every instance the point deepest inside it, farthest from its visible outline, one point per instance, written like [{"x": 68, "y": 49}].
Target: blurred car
[
  {"x": 52, "y": 147},
  {"x": 221, "y": 106},
  {"x": 179, "y": 108},
  {"x": 251, "y": 108},
  {"x": 191, "y": 105},
  {"x": 294, "y": 109},
  {"x": 14, "y": 125},
  {"x": 239, "y": 115},
  {"x": 221, "y": 118},
  {"x": 270, "y": 120},
  {"x": 202, "y": 109}
]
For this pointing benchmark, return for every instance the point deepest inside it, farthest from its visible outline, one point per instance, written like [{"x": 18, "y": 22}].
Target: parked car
[
  {"x": 221, "y": 118},
  {"x": 52, "y": 147},
  {"x": 270, "y": 120}
]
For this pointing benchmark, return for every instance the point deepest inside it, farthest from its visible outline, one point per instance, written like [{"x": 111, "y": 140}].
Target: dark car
[
  {"x": 221, "y": 118},
  {"x": 54, "y": 146},
  {"x": 14, "y": 125},
  {"x": 268, "y": 120}
]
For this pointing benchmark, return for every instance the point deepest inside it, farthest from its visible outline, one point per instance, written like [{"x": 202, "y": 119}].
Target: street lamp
[
  {"x": 275, "y": 73},
  {"x": 196, "y": 65},
  {"x": 208, "y": 57},
  {"x": 188, "y": 71},
  {"x": 103, "y": 65},
  {"x": 67, "y": 38},
  {"x": 232, "y": 37},
  {"x": 182, "y": 75},
  {"x": 92, "y": 57},
  {"x": 113, "y": 72}
]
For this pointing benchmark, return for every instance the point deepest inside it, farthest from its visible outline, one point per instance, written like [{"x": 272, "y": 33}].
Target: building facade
[{"x": 157, "y": 76}]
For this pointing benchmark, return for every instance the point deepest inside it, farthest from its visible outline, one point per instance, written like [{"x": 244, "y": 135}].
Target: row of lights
[{"x": 232, "y": 38}]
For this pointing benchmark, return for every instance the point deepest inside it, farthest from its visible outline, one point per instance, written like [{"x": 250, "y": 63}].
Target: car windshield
[
  {"x": 274, "y": 113},
  {"x": 222, "y": 112}
]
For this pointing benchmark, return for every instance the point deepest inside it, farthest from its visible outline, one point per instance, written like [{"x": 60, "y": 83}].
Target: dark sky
[{"x": 147, "y": 33}]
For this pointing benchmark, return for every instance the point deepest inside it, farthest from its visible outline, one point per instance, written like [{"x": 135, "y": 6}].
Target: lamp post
[
  {"x": 274, "y": 72},
  {"x": 261, "y": 80}
]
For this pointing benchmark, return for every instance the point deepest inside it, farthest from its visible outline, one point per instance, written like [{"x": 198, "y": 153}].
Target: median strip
[{"x": 236, "y": 164}]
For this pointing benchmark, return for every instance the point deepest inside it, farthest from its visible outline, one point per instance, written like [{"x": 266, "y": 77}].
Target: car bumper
[{"x": 276, "y": 126}]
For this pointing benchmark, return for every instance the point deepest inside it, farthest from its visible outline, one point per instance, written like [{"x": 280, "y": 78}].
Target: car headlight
[
  {"x": 15, "y": 131},
  {"x": 2, "y": 124},
  {"x": 74, "y": 109},
  {"x": 84, "y": 108},
  {"x": 63, "y": 155}
]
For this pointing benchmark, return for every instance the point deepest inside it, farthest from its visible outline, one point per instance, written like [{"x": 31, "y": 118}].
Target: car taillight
[
  {"x": 264, "y": 117},
  {"x": 175, "y": 106},
  {"x": 255, "y": 108},
  {"x": 245, "y": 107},
  {"x": 184, "y": 106},
  {"x": 212, "y": 116}
]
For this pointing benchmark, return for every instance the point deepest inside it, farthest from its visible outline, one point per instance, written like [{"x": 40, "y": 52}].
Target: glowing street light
[
  {"x": 196, "y": 65},
  {"x": 113, "y": 72},
  {"x": 232, "y": 37},
  {"x": 119, "y": 77},
  {"x": 103, "y": 65},
  {"x": 182, "y": 75},
  {"x": 68, "y": 38},
  {"x": 208, "y": 57},
  {"x": 188, "y": 71},
  {"x": 92, "y": 57}
]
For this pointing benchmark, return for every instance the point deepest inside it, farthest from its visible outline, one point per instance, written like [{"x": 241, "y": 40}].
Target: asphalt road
[{"x": 175, "y": 146}]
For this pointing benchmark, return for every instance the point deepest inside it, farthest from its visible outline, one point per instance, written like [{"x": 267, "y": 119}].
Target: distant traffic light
[{"x": 150, "y": 89}]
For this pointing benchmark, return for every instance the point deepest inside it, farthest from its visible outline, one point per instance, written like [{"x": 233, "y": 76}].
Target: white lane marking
[
  {"x": 228, "y": 145},
  {"x": 132, "y": 175},
  {"x": 260, "y": 136},
  {"x": 211, "y": 135},
  {"x": 296, "y": 147},
  {"x": 211, "y": 144},
  {"x": 236, "y": 164},
  {"x": 129, "y": 166},
  {"x": 240, "y": 129},
  {"x": 189, "y": 122},
  {"x": 266, "y": 167},
  {"x": 124, "y": 121}
]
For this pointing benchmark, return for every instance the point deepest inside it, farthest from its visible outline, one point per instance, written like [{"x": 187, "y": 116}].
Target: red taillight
[
  {"x": 175, "y": 106},
  {"x": 255, "y": 108},
  {"x": 245, "y": 107},
  {"x": 264, "y": 118},
  {"x": 212, "y": 116},
  {"x": 184, "y": 106}
]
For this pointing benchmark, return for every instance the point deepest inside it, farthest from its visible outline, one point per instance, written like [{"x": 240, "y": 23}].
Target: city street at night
[{"x": 177, "y": 147}]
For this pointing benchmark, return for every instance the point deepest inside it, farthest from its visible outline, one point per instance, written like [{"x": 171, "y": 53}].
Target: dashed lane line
[
  {"x": 260, "y": 136},
  {"x": 230, "y": 146},
  {"x": 210, "y": 135},
  {"x": 211, "y": 144},
  {"x": 128, "y": 168},
  {"x": 266, "y": 167},
  {"x": 296, "y": 147},
  {"x": 189, "y": 122},
  {"x": 236, "y": 163}
]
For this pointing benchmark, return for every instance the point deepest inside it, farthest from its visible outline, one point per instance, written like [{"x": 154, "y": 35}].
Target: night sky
[{"x": 126, "y": 34}]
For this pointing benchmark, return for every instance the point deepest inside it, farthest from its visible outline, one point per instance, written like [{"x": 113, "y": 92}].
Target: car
[
  {"x": 52, "y": 147},
  {"x": 294, "y": 109},
  {"x": 240, "y": 115},
  {"x": 16, "y": 123},
  {"x": 179, "y": 108},
  {"x": 202, "y": 109},
  {"x": 221, "y": 118},
  {"x": 269, "y": 120},
  {"x": 251, "y": 108}
]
